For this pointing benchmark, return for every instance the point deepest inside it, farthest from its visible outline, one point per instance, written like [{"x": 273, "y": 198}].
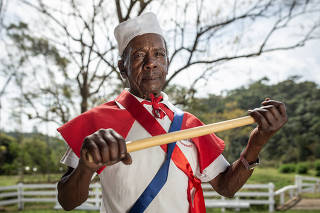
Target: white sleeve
[
  {"x": 70, "y": 158},
  {"x": 219, "y": 165}
]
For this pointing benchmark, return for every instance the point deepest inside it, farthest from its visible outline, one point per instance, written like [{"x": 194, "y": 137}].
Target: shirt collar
[{"x": 165, "y": 100}]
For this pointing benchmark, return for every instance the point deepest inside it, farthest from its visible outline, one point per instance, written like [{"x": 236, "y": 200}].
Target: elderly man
[{"x": 158, "y": 179}]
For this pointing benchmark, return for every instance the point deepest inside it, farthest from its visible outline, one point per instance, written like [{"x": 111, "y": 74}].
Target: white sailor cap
[{"x": 127, "y": 30}]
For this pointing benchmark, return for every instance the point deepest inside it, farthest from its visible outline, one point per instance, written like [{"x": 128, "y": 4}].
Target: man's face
[{"x": 145, "y": 65}]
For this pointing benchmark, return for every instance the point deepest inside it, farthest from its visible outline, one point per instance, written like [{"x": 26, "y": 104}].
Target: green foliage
[
  {"x": 287, "y": 168},
  {"x": 298, "y": 140},
  {"x": 302, "y": 168},
  {"x": 317, "y": 165},
  {"x": 35, "y": 151},
  {"x": 22, "y": 37},
  {"x": 9, "y": 150}
]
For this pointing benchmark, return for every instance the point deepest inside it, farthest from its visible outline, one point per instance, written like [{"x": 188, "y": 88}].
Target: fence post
[
  {"x": 298, "y": 182},
  {"x": 282, "y": 198},
  {"x": 291, "y": 193},
  {"x": 271, "y": 197},
  {"x": 223, "y": 209},
  {"x": 97, "y": 198},
  {"x": 237, "y": 199},
  {"x": 20, "y": 196}
]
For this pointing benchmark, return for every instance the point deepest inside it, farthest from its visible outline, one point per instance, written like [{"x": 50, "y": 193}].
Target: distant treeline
[
  {"x": 298, "y": 140},
  {"x": 30, "y": 153}
]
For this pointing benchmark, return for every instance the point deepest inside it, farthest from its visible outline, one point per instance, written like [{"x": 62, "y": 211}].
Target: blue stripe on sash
[{"x": 161, "y": 177}]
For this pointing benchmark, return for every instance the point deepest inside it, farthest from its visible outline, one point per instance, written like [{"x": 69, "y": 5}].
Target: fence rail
[
  {"x": 302, "y": 184},
  {"x": 250, "y": 194}
]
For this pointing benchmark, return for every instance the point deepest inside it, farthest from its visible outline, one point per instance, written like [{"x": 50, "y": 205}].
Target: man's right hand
[{"x": 106, "y": 147}]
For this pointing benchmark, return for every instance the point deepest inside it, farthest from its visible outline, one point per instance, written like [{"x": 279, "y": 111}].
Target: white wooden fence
[
  {"x": 250, "y": 194},
  {"x": 45, "y": 193},
  {"x": 302, "y": 184},
  {"x": 26, "y": 193}
]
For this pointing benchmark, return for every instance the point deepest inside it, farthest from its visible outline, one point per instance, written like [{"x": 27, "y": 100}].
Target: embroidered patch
[{"x": 186, "y": 145}]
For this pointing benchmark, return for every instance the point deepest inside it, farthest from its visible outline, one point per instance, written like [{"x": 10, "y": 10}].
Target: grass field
[
  {"x": 38, "y": 178},
  {"x": 48, "y": 208},
  {"x": 208, "y": 211},
  {"x": 267, "y": 175},
  {"x": 260, "y": 175}
]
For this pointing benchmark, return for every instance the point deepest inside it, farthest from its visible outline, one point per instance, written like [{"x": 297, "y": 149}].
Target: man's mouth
[{"x": 150, "y": 78}]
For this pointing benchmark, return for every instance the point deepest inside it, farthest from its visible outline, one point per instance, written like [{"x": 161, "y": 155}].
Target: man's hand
[
  {"x": 106, "y": 147},
  {"x": 270, "y": 118}
]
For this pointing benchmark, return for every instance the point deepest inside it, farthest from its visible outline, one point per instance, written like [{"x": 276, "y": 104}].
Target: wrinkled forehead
[
  {"x": 149, "y": 40},
  {"x": 145, "y": 42}
]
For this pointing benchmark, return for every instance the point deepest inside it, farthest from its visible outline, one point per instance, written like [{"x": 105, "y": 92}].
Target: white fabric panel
[
  {"x": 123, "y": 184},
  {"x": 70, "y": 158}
]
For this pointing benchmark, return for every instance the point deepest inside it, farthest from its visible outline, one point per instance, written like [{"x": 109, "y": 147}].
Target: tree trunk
[{"x": 84, "y": 100}]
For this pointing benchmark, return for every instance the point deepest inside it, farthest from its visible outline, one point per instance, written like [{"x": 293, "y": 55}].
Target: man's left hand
[{"x": 270, "y": 118}]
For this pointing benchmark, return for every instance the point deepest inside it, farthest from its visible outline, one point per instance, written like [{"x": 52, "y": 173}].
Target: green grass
[
  {"x": 311, "y": 195},
  {"x": 48, "y": 208},
  {"x": 266, "y": 175},
  {"x": 48, "y": 211},
  {"x": 251, "y": 211},
  {"x": 40, "y": 208},
  {"x": 6, "y": 180},
  {"x": 260, "y": 175},
  {"x": 208, "y": 211}
]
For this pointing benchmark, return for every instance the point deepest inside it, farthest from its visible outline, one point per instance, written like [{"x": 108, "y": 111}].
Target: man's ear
[
  {"x": 122, "y": 69},
  {"x": 167, "y": 64}
]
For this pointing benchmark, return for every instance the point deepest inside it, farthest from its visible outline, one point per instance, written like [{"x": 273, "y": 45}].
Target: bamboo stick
[{"x": 136, "y": 145}]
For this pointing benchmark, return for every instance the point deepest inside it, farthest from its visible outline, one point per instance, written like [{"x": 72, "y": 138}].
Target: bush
[
  {"x": 318, "y": 173},
  {"x": 317, "y": 165},
  {"x": 287, "y": 168},
  {"x": 302, "y": 168}
]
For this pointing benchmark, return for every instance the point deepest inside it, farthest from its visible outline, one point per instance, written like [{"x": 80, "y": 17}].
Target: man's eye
[
  {"x": 139, "y": 55},
  {"x": 160, "y": 54}
]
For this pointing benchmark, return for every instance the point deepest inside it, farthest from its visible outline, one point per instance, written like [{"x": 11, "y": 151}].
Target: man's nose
[{"x": 150, "y": 63}]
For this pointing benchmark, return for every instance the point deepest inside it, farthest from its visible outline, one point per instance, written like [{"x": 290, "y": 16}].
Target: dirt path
[{"x": 308, "y": 204}]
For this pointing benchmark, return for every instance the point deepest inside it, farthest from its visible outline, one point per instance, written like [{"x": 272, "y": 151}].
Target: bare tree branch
[{"x": 75, "y": 51}]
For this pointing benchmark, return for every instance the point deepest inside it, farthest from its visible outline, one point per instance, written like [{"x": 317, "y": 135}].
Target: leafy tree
[
  {"x": 65, "y": 60},
  {"x": 35, "y": 151},
  {"x": 297, "y": 141},
  {"x": 9, "y": 150}
]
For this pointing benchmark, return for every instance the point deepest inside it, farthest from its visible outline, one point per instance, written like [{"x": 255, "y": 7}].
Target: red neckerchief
[
  {"x": 149, "y": 123},
  {"x": 159, "y": 110}
]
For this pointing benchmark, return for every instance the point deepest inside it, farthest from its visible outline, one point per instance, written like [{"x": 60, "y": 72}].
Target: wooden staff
[{"x": 158, "y": 140}]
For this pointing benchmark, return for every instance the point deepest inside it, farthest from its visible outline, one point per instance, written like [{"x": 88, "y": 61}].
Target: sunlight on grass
[
  {"x": 6, "y": 180},
  {"x": 266, "y": 175}
]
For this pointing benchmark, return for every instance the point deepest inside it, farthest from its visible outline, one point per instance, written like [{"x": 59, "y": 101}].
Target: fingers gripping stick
[
  {"x": 89, "y": 157},
  {"x": 184, "y": 134}
]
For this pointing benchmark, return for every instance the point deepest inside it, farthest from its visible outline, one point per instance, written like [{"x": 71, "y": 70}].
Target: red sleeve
[
  {"x": 76, "y": 130},
  {"x": 209, "y": 147},
  {"x": 102, "y": 117}
]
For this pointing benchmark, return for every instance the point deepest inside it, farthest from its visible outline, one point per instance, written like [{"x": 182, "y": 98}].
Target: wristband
[{"x": 249, "y": 166}]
